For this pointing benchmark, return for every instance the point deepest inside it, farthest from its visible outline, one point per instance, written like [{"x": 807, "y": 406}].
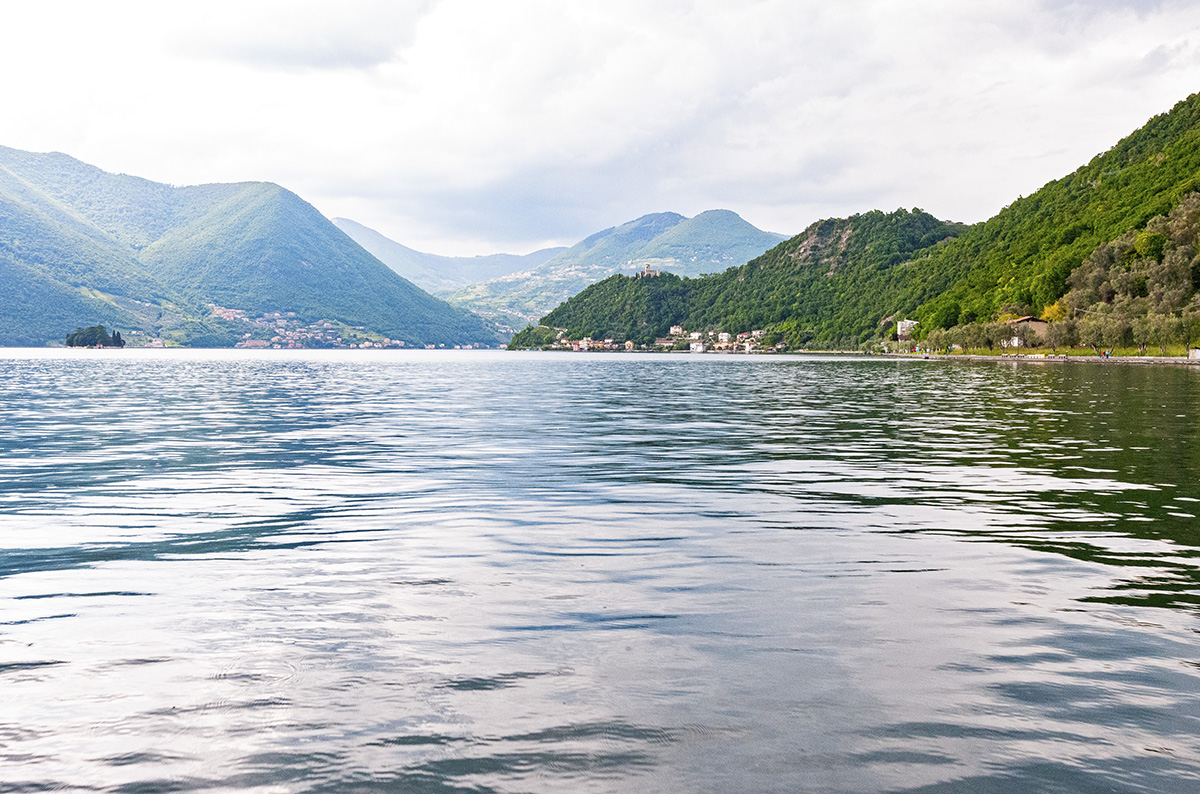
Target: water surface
[{"x": 501, "y": 572}]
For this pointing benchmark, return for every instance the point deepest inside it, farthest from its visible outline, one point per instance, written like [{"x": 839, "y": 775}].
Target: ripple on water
[{"x": 504, "y": 572}]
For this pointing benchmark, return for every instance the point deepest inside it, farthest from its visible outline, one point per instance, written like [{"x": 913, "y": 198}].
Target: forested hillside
[
  {"x": 261, "y": 248},
  {"x": 845, "y": 282},
  {"x": 80, "y": 246},
  {"x": 1025, "y": 254},
  {"x": 58, "y": 270}
]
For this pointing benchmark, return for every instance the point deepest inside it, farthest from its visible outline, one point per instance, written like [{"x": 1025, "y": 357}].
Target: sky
[{"x": 476, "y": 126}]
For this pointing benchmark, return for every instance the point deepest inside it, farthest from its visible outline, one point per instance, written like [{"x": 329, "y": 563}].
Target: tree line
[{"x": 94, "y": 336}]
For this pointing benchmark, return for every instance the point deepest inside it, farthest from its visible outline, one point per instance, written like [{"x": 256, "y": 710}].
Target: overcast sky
[{"x": 475, "y": 126}]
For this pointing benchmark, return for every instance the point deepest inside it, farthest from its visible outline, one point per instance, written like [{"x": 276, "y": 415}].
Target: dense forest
[{"x": 1120, "y": 221}]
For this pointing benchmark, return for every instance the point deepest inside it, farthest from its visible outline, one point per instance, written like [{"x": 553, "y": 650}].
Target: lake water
[{"x": 504, "y": 572}]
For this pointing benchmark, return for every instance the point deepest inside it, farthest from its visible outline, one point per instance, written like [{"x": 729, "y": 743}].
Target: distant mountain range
[
  {"x": 710, "y": 242},
  {"x": 195, "y": 265},
  {"x": 438, "y": 274}
]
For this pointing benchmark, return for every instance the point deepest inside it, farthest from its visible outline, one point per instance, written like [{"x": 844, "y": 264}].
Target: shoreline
[{"x": 1174, "y": 361}]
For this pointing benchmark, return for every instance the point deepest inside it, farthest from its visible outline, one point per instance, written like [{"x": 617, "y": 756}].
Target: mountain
[
  {"x": 844, "y": 281},
  {"x": 709, "y": 242},
  {"x": 80, "y": 246},
  {"x": 440, "y": 274}
]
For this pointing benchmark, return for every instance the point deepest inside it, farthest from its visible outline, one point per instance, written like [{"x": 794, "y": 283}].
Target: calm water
[{"x": 504, "y": 572}]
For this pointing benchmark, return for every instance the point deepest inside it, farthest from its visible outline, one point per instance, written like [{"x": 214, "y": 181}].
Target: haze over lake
[{"x": 503, "y": 572}]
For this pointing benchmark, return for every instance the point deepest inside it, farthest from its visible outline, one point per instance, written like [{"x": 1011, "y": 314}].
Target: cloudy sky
[{"x": 474, "y": 126}]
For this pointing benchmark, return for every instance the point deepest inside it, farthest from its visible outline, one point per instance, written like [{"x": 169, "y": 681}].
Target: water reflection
[{"x": 595, "y": 573}]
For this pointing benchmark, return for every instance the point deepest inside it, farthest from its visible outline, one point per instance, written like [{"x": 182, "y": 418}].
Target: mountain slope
[
  {"x": 80, "y": 246},
  {"x": 1025, "y": 253},
  {"x": 290, "y": 258},
  {"x": 711, "y": 241},
  {"x": 58, "y": 269},
  {"x": 440, "y": 274},
  {"x": 846, "y": 280}
]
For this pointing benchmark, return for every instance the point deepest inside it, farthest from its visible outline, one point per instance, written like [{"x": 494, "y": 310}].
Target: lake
[{"x": 440, "y": 572}]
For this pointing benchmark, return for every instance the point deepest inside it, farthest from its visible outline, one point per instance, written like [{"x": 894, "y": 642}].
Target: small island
[{"x": 94, "y": 336}]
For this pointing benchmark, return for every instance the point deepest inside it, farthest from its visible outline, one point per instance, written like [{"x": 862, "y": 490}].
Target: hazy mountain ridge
[
  {"x": 82, "y": 246},
  {"x": 435, "y": 273},
  {"x": 711, "y": 241}
]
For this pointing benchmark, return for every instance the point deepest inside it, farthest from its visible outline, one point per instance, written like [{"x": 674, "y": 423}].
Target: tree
[
  {"x": 936, "y": 341},
  {"x": 1060, "y": 334},
  {"x": 1091, "y": 331},
  {"x": 1055, "y": 312},
  {"x": 1191, "y": 326},
  {"x": 996, "y": 335},
  {"x": 972, "y": 337},
  {"x": 94, "y": 336},
  {"x": 1165, "y": 329},
  {"x": 1116, "y": 330},
  {"x": 1143, "y": 332}
]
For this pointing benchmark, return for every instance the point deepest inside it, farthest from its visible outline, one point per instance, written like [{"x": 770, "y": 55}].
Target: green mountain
[
  {"x": 709, "y": 242},
  {"x": 58, "y": 270},
  {"x": 440, "y": 275},
  {"x": 80, "y": 246},
  {"x": 844, "y": 281}
]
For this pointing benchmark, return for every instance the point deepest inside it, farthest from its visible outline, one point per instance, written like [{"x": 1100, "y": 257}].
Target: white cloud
[{"x": 470, "y": 125}]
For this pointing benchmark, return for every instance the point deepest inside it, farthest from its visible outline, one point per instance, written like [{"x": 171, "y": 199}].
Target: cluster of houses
[
  {"x": 586, "y": 344},
  {"x": 712, "y": 341},
  {"x": 287, "y": 332},
  {"x": 678, "y": 339}
]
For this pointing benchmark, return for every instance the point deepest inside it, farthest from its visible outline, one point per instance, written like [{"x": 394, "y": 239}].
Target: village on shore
[
  {"x": 1018, "y": 344},
  {"x": 677, "y": 341}
]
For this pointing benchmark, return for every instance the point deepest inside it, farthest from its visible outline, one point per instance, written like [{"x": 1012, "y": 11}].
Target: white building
[{"x": 904, "y": 328}]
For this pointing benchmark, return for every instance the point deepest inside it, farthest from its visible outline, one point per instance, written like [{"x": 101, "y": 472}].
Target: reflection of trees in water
[{"x": 1117, "y": 450}]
